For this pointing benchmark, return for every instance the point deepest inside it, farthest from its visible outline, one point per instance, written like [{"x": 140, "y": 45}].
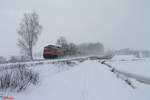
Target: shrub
[
  {"x": 3, "y": 60},
  {"x": 18, "y": 78}
]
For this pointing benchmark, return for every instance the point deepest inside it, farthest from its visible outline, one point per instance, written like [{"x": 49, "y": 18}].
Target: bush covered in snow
[
  {"x": 18, "y": 78},
  {"x": 3, "y": 60},
  {"x": 14, "y": 59}
]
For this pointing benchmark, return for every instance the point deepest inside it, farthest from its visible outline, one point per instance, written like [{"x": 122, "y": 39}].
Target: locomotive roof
[{"x": 53, "y": 46}]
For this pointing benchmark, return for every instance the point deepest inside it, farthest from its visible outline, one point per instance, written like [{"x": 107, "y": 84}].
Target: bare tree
[
  {"x": 72, "y": 49},
  {"x": 63, "y": 43},
  {"x": 29, "y": 31}
]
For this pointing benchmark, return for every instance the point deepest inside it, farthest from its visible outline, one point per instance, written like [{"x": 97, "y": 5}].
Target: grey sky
[{"x": 115, "y": 23}]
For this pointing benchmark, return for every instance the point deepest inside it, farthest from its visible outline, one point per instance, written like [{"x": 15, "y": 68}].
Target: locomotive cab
[{"x": 52, "y": 51}]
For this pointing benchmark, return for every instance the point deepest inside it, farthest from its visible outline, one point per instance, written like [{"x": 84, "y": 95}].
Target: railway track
[{"x": 43, "y": 61}]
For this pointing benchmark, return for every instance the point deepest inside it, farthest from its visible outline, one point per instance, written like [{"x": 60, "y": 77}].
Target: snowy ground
[
  {"x": 132, "y": 65},
  {"x": 89, "y": 80}
]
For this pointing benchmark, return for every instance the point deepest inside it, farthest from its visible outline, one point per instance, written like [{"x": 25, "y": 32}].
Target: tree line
[{"x": 72, "y": 49}]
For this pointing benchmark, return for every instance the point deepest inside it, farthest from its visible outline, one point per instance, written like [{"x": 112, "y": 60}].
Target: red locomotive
[{"x": 52, "y": 51}]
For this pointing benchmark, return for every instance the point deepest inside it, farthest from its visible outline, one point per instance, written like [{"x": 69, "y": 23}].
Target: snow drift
[{"x": 89, "y": 80}]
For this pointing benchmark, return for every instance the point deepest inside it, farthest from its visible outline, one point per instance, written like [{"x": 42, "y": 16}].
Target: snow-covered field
[
  {"x": 89, "y": 80},
  {"x": 132, "y": 64}
]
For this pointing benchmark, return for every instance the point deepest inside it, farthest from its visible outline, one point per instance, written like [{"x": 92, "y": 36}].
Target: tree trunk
[{"x": 31, "y": 53}]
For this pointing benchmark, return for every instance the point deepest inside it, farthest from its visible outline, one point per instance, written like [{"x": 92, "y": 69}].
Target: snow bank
[
  {"x": 141, "y": 67},
  {"x": 87, "y": 81}
]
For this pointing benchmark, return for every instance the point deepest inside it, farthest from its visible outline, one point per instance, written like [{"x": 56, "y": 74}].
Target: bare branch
[{"x": 28, "y": 33}]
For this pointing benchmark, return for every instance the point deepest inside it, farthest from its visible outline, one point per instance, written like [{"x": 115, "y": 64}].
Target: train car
[{"x": 52, "y": 51}]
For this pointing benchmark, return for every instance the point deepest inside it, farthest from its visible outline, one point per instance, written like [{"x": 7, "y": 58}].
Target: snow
[
  {"x": 124, "y": 58},
  {"x": 42, "y": 61},
  {"x": 139, "y": 67},
  {"x": 89, "y": 80}
]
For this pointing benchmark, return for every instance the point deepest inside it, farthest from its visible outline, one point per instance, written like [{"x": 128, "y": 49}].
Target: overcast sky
[{"x": 115, "y": 23}]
